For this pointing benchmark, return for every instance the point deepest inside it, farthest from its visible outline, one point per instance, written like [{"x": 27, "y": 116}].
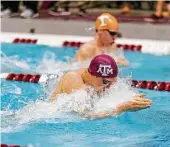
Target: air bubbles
[{"x": 90, "y": 29}]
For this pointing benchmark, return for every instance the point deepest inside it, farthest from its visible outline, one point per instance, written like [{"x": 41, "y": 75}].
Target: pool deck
[{"x": 75, "y": 27}]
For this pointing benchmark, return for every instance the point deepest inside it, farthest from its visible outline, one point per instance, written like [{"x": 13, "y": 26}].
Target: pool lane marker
[
  {"x": 36, "y": 78},
  {"x": 151, "y": 85},
  {"x": 24, "y": 40},
  {"x": 126, "y": 47},
  {"x": 5, "y": 145}
]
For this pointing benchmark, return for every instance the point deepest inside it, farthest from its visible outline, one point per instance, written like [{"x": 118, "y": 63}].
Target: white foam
[
  {"x": 59, "y": 111},
  {"x": 12, "y": 88},
  {"x": 9, "y": 63}
]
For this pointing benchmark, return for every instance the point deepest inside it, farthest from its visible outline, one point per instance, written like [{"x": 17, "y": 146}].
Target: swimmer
[
  {"x": 106, "y": 32},
  {"x": 101, "y": 74}
]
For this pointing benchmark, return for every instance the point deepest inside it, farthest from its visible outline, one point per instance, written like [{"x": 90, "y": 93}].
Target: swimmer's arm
[
  {"x": 103, "y": 114},
  {"x": 53, "y": 96},
  {"x": 120, "y": 58},
  {"x": 138, "y": 103},
  {"x": 79, "y": 56},
  {"x": 97, "y": 114}
]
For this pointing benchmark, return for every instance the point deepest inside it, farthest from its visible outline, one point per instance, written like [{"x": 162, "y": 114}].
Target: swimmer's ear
[
  {"x": 142, "y": 95},
  {"x": 119, "y": 35}
]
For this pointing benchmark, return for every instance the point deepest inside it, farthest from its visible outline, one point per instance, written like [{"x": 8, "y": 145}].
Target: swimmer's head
[
  {"x": 103, "y": 66},
  {"x": 107, "y": 22},
  {"x": 104, "y": 70}
]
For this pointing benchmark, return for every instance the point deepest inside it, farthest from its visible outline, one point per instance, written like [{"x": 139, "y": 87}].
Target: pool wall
[{"x": 73, "y": 27}]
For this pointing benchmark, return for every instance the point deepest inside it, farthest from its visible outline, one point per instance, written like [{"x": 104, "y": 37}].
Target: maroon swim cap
[{"x": 103, "y": 66}]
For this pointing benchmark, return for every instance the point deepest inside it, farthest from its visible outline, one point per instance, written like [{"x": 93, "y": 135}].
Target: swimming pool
[{"x": 26, "y": 118}]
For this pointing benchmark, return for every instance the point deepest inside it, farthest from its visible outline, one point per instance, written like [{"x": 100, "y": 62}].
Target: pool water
[{"x": 20, "y": 101}]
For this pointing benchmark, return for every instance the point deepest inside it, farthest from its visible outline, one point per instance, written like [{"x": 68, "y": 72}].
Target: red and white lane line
[
  {"x": 25, "y": 40},
  {"x": 5, "y": 145},
  {"x": 36, "y": 78},
  {"x": 130, "y": 47},
  {"x": 152, "y": 85},
  {"x": 157, "y": 47}
]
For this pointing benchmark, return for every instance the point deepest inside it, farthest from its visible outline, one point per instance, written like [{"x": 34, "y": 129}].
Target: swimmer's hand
[
  {"x": 138, "y": 103},
  {"x": 89, "y": 115},
  {"x": 52, "y": 99},
  {"x": 53, "y": 96}
]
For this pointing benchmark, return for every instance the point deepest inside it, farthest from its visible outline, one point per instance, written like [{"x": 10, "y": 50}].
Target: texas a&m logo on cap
[{"x": 105, "y": 70}]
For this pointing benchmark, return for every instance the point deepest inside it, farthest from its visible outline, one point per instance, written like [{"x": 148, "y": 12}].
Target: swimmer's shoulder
[
  {"x": 72, "y": 80},
  {"x": 85, "y": 51},
  {"x": 71, "y": 75},
  {"x": 89, "y": 46}
]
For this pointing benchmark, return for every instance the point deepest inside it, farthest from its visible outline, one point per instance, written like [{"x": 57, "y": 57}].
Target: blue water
[{"x": 146, "y": 128}]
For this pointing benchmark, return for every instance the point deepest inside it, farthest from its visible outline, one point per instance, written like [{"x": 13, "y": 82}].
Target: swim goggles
[
  {"x": 112, "y": 33},
  {"x": 106, "y": 82}
]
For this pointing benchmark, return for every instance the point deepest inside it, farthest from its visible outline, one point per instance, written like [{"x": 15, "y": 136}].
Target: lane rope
[
  {"x": 127, "y": 47},
  {"x": 5, "y": 145},
  {"x": 37, "y": 78},
  {"x": 25, "y": 40}
]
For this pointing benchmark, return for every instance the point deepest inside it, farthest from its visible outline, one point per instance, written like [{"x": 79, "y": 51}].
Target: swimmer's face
[
  {"x": 106, "y": 37},
  {"x": 100, "y": 84}
]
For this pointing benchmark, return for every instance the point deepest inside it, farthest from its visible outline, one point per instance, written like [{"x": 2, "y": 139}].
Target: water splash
[
  {"x": 48, "y": 64},
  {"x": 51, "y": 66},
  {"x": 10, "y": 63},
  {"x": 66, "y": 105},
  {"x": 90, "y": 28},
  {"x": 13, "y": 89}
]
